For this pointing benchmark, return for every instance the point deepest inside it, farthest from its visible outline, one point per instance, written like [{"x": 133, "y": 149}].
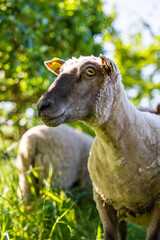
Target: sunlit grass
[
  {"x": 52, "y": 215},
  {"x": 55, "y": 214}
]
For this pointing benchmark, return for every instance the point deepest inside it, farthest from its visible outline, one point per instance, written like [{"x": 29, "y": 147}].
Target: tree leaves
[{"x": 33, "y": 31}]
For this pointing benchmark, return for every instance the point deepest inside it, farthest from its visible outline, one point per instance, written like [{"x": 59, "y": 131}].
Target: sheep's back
[{"x": 62, "y": 150}]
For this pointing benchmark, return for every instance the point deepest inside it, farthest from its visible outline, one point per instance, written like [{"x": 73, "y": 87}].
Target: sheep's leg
[
  {"x": 108, "y": 216},
  {"x": 154, "y": 227},
  {"x": 123, "y": 230}
]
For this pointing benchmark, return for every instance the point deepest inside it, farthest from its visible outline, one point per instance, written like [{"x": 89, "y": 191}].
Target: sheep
[
  {"x": 62, "y": 148},
  {"x": 124, "y": 162}
]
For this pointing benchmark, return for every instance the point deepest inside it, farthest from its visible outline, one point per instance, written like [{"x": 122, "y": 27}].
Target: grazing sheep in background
[
  {"x": 157, "y": 111},
  {"x": 124, "y": 164},
  {"x": 62, "y": 148}
]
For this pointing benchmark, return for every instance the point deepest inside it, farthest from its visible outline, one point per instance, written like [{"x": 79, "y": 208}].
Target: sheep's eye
[{"x": 90, "y": 71}]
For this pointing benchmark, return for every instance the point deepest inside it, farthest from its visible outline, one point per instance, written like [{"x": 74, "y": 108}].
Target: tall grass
[{"x": 54, "y": 214}]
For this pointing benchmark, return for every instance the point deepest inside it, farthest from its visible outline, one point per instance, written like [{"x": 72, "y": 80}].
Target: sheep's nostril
[{"x": 42, "y": 106}]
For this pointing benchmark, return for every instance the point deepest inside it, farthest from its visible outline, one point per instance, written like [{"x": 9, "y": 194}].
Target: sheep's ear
[
  {"x": 108, "y": 66},
  {"x": 54, "y": 65}
]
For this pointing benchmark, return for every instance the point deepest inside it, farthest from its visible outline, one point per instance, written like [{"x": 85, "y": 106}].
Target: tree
[
  {"x": 139, "y": 65},
  {"x": 35, "y": 31}
]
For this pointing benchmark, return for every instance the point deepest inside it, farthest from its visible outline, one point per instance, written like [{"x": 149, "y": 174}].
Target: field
[{"x": 55, "y": 214}]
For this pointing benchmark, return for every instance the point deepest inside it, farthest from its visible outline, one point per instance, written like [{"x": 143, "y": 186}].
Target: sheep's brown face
[{"x": 73, "y": 94}]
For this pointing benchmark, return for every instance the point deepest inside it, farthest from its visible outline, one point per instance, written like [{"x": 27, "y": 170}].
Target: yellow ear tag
[
  {"x": 55, "y": 66},
  {"x": 105, "y": 63},
  {"x": 55, "y": 59}
]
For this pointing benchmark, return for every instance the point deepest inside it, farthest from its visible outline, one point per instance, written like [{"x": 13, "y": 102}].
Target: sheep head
[{"x": 83, "y": 90}]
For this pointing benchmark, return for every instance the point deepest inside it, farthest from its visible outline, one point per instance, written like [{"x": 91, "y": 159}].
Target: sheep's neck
[
  {"x": 115, "y": 126},
  {"x": 120, "y": 134}
]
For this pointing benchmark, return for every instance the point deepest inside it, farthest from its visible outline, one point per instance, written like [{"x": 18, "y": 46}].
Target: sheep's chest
[{"x": 127, "y": 187}]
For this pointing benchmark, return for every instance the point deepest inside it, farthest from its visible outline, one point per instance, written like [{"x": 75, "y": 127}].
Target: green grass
[{"x": 56, "y": 215}]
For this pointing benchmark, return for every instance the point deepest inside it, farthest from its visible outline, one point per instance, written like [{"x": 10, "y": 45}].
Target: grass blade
[{"x": 59, "y": 218}]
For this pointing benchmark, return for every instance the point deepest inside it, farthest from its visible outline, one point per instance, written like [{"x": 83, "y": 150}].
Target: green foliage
[
  {"x": 132, "y": 58},
  {"x": 35, "y": 31}
]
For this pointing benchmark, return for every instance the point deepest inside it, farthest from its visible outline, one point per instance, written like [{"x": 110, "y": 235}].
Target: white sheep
[
  {"x": 124, "y": 164},
  {"x": 63, "y": 149}
]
